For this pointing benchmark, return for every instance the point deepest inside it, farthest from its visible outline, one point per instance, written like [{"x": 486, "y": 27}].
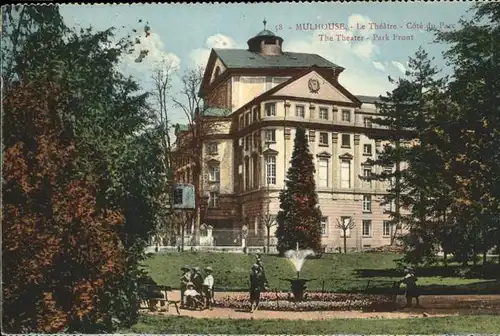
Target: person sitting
[
  {"x": 197, "y": 279},
  {"x": 208, "y": 287},
  {"x": 193, "y": 297},
  {"x": 410, "y": 280},
  {"x": 185, "y": 279}
]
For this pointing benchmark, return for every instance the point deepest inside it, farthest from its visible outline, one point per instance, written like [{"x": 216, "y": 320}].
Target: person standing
[
  {"x": 410, "y": 280},
  {"x": 208, "y": 287},
  {"x": 197, "y": 279},
  {"x": 185, "y": 279},
  {"x": 256, "y": 287},
  {"x": 262, "y": 271}
]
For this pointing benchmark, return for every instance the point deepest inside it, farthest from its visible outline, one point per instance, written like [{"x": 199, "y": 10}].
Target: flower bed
[{"x": 312, "y": 301}]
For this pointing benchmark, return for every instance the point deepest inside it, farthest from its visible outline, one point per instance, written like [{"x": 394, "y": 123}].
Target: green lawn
[
  {"x": 485, "y": 324},
  {"x": 332, "y": 272}
]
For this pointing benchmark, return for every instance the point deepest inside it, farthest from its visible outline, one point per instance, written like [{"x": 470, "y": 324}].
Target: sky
[{"x": 183, "y": 34}]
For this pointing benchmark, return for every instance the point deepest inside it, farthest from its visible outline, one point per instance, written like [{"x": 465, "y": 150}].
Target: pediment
[
  {"x": 270, "y": 151},
  {"x": 324, "y": 155},
  {"x": 213, "y": 162},
  {"x": 346, "y": 156},
  {"x": 313, "y": 86}
]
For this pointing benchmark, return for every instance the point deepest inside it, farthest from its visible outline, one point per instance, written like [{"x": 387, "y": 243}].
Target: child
[
  {"x": 208, "y": 287},
  {"x": 185, "y": 279},
  {"x": 410, "y": 280},
  {"x": 191, "y": 295}
]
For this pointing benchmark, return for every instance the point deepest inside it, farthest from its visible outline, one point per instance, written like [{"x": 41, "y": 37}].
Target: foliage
[
  {"x": 109, "y": 121},
  {"x": 299, "y": 219},
  {"x": 61, "y": 252}
]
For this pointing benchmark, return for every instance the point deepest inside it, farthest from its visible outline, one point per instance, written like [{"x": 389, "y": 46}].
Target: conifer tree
[{"x": 299, "y": 220}]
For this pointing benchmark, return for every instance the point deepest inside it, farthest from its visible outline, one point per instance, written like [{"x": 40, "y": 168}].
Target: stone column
[
  {"x": 335, "y": 161},
  {"x": 356, "y": 164}
]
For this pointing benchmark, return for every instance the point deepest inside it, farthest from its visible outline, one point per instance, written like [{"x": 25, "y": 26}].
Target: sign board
[{"x": 184, "y": 196}]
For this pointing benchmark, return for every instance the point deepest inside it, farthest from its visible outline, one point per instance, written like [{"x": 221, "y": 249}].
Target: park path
[{"x": 433, "y": 306}]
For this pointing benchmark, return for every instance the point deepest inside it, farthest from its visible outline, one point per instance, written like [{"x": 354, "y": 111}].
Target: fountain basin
[{"x": 298, "y": 287}]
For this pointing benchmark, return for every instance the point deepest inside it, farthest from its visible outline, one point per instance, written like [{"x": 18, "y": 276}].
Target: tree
[
  {"x": 474, "y": 159},
  {"x": 189, "y": 142},
  {"x": 61, "y": 251},
  {"x": 111, "y": 123},
  {"x": 299, "y": 220},
  {"x": 345, "y": 226}
]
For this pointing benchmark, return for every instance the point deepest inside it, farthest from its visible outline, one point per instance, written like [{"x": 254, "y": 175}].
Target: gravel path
[{"x": 433, "y": 306}]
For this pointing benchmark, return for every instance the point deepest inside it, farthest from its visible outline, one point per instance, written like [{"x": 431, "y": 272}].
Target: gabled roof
[
  {"x": 333, "y": 82},
  {"x": 240, "y": 58}
]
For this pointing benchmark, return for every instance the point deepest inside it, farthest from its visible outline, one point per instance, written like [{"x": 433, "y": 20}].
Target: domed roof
[{"x": 265, "y": 32}]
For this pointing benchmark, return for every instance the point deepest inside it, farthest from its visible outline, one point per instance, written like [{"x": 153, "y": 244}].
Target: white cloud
[
  {"x": 399, "y": 66},
  {"x": 156, "y": 56},
  {"x": 200, "y": 56},
  {"x": 379, "y": 66}
]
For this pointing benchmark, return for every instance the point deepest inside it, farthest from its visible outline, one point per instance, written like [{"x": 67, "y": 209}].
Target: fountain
[{"x": 297, "y": 258}]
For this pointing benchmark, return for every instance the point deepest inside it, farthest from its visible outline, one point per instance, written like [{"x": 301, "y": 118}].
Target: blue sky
[{"x": 184, "y": 34}]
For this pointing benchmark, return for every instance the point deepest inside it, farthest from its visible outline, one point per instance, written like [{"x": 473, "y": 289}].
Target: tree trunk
[
  {"x": 182, "y": 237},
  {"x": 268, "y": 238},
  {"x": 485, "y": 253},
  {"x": 345, "y": 243},
  {"x": 445, "y": 258}
]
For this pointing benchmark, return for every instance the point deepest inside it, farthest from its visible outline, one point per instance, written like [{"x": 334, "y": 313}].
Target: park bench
[{"x": 152, "y": 293}]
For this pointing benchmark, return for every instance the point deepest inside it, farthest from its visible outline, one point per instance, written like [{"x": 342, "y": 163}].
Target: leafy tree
[
  {"x": 60, "y": 251},
  {"x": 299, "y": 220},
  {"x": 111, "y": 123}
]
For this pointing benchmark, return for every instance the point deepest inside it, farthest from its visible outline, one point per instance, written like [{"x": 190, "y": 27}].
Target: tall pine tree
[{"x": 299, "y": 220}]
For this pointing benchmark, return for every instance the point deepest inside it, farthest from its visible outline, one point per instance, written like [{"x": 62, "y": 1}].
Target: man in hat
[
  {"x": 208, "y": 287},
  {"x": 256, "y": 287},
  {"x": 410, "y": 280},
  {"x": 185, "y": 279},
  {"x": 197, "y": 279}
]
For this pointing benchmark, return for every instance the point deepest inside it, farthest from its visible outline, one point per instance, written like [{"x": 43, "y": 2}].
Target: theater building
[{"x": 259, "y": 96}]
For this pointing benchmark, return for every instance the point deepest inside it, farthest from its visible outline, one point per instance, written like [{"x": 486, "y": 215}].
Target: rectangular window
[
  {"x": 368, "y": 122},
  {"x": 247, "y": 174},
  {"x": 214, "y": 173},
  {"x": 323, "y": 113},
  {"x": 367, "y": 149},
  {"x": 271, "y": 170},
  {"x": 256, "y": 139},
  {"x": 346, "y": 224},
  {"x": 256, "y": 171},
  {"x": 324, "y": 226},
  {"x": 388, "y": 178},
  {"x": 213, "y": 200},
  {"x": 323, "y": 139},
  {"x": 367, "y": 228},
  {"x": 346, "y": 115},
  {"x": 212, "y": 148},
  {"x": 241, "y": 124},
  {"x": 300, "y": 111},
  {"x": 367, "y": 203},
  {"x": 255, "y": 113},
  {"x": 247, "y": 142},
  {"x": 367, "y": 173},
  {"x": 247, "y": 119},
  {"x": 346, "y": 141},
  {"x": 345, "y": 174},
  {"x": 387, "y": 228},
  {"x": 388, "y": 207},
  {"x": 323, "y": 173},
  {"x": 270, "y": 109},
  {"x": 270, "y": 135}
]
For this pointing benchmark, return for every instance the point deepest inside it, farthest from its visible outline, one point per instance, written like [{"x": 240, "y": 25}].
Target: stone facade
[{"x": 245, "y": 164}]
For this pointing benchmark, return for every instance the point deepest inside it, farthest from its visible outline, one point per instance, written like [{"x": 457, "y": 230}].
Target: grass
[
  {"x": 332, "y": 272},
  {"x": 485, "y": 324}
]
